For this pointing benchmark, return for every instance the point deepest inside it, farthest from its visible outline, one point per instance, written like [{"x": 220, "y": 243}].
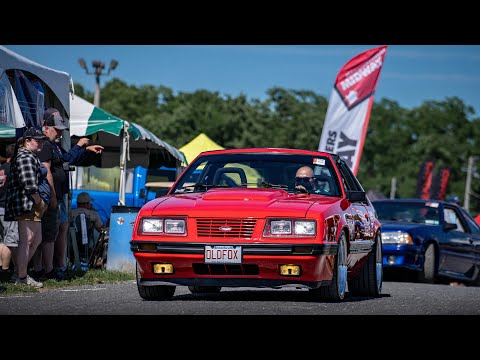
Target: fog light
[
  {"x": 163, "y": 269},
  {"x": 147, "y": 247},
  {"x": 290, "y": 270},
  {"x": 391, "y": 260}
]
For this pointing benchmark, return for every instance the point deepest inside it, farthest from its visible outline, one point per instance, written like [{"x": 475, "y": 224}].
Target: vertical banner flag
[
  {"x": 350, "y": 104},
  {"x": 424, "y": 181},
  {"x": 440, "y": 183}
]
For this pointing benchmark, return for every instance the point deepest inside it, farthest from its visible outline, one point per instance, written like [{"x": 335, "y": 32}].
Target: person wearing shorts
[{"x": 24, "y": 203}]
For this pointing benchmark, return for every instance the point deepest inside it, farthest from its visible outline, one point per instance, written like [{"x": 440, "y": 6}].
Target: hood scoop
[{"x": 245, "y": 195}]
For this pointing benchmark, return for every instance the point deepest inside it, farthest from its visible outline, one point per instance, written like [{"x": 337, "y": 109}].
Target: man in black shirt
[{"x": 57, "y": 161}]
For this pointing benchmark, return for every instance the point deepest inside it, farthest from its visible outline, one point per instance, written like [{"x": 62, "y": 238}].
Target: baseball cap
[
  {"x": 34, "y": 133},
  {"x": 51, "y": 117},
  {"x": 83, "y": 198}
]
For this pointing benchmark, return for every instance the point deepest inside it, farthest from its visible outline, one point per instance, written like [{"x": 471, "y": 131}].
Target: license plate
[{"x": 223, "y": 254}]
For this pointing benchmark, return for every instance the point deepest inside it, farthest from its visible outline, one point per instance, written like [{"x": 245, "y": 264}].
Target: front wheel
[
  {"x": 335, "y": 292},
  {"x": 370, "y": 280},
  {"x": 427, "y": 274},
  {"x": 160, "y": 292}
]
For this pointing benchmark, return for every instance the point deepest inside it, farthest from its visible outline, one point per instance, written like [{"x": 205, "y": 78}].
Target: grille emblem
[{"x": 225, "y": 228}]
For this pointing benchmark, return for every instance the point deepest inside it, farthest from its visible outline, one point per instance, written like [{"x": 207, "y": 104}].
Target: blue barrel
[{"x": 120, "y": 257}]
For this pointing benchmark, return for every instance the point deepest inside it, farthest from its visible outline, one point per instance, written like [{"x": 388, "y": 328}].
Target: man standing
[
  {"x": 9, "y": 236},
  {"x": 58, "y": 160}
]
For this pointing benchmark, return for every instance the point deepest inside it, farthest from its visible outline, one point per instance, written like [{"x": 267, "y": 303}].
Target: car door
[
  {"x": 362, "y": 219},
  {"x": 457, "y": 254},
  {"x": 474, "y": 229}
]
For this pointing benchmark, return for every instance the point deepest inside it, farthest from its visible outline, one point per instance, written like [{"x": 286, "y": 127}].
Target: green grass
[{"x": 72, "y": 278}]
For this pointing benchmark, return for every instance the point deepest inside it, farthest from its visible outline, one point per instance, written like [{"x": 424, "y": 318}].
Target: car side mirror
[
  {"x": 356, "y": 196},
  {"x": 449, "y": 226}
]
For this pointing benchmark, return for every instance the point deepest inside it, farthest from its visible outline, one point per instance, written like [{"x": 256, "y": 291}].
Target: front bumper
[
  {"x": 259, "y": 266},
  {"x": 402, "y": 256}
]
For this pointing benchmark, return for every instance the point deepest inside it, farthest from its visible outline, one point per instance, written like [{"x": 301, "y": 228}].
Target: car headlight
[
  {"x": 166, "y": 226},
  {"x": 289, "y": 228},
  {"x": 305, "y": 227},
  {"x": 281, "y": 227},
  {"x": 397, "y": 237},
  {"x": 152, "y": 225},
  {"x": 174, "y": 226}
]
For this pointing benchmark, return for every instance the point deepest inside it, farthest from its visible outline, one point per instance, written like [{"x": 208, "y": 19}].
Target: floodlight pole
[
  {"x": 98, "y": 67},
  {"x": 468, "y": 183}
]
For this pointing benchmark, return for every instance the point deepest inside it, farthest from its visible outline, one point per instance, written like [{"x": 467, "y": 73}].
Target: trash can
[{"x": 120, "y": 257}]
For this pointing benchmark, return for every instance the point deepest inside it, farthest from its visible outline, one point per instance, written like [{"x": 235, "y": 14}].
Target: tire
[
  {"x": 427, "y": 274},
  {"x": 370, "y": 280},
  {"x": 194, "y": 289},
  {"x": 335, "y": 292},
  {"x": 160, "y": 292}
]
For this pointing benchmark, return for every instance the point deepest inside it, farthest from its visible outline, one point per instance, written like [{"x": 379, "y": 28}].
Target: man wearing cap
[
  {"x": 57, "y": 160},
  {"x": 93, "y": 220},
  {"x": 85, "y": 207}
]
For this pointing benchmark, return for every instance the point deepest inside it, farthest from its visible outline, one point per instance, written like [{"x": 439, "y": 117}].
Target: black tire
[
  {"x": 194, "y": 289},
  {"x": 427, "y": 274},
  {"x": 160, "y": 292},
  {"x": 370, "y": 280},
  {"x": 335, "y": 292}
]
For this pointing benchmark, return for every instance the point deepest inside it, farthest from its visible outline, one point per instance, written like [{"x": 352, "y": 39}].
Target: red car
[{"x": 251, "y": 218}]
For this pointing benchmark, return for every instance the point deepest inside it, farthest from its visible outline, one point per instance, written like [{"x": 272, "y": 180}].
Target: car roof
[
  {"x": 266, "y": 150},
  {"x": 415, "y": 200}
]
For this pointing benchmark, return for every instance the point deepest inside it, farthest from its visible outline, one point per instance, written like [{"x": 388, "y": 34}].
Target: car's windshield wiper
[
  {"x": 273, "y": 186},
  {"x": 199, "y": 186},
  {"x": 300, "y": 190}
]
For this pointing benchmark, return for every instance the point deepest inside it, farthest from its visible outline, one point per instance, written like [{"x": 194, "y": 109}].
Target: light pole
[
  {"x": 468, "y": 183},
  {"x": 98, "y": 67}
]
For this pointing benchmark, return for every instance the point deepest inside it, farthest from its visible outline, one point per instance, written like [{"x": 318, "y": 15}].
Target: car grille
[
  {"x": 221, "y": 269},
  {"x": 226, "y": 228}
]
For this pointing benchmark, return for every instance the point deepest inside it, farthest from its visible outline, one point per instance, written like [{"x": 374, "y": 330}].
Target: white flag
[{"x": 349, "y": 108}]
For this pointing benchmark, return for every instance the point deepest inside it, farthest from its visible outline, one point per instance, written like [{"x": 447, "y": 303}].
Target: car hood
[
  {"x": 243, "y": 203},
  {"x": 402, "y": 226}
]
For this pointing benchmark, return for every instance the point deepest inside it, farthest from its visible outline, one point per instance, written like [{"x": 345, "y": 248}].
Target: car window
[
  {"x": 472, "y": 224},
  {"x": 415, "y": 212},
  {"x": 259, "y": 171},
  {"x": 451, "y": 217}
]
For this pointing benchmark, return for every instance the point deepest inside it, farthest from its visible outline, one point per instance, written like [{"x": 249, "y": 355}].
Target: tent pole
[
  {"x": 123, "y": 160},
  {"x": 178, "y": 168}
]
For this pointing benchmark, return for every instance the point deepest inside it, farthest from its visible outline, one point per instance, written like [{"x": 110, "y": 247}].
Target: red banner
[
  {"x": 424, "y": 181},
  {"x": 348, "y": 112},
  {"x": 440, "y": 183}
]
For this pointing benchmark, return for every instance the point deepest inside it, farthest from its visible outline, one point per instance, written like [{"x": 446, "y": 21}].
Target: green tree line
[{"x": 398, "y": 140}]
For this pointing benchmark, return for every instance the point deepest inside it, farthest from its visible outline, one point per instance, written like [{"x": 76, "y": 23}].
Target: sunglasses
[{"x": 305, "y": 179}]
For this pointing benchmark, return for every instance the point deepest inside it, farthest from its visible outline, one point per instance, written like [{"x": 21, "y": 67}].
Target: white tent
[
  {"x": 59, "y": 86},
  {"x": 58, "y": 81}
]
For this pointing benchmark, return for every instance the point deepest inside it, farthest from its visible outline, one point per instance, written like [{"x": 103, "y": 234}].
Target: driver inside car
[{"x": 305, "y": 180}]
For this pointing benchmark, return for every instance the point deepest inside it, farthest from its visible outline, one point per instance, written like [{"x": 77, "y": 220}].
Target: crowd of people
[{"x": 34, "y": 188}]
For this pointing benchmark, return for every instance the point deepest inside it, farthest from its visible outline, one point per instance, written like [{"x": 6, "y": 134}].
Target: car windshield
[
  {"x": 259, "y": 170},
  {"x": 414, "y": 212}
]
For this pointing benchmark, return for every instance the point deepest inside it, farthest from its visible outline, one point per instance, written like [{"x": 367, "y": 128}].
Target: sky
[{"x": 411, "y": 74}]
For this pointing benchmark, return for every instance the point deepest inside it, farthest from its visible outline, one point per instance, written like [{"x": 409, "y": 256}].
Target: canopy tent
[
  {"x": 58, "y": 81},
  {"x": 199, "y": 144},
  {"x": 113, "y": 133},
  {"x": 203, "y": 143},
  {"x": 57, "y": 86}
]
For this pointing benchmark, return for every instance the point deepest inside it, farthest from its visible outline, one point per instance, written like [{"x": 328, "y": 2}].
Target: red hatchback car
[{"x": 251, "y": 218}]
